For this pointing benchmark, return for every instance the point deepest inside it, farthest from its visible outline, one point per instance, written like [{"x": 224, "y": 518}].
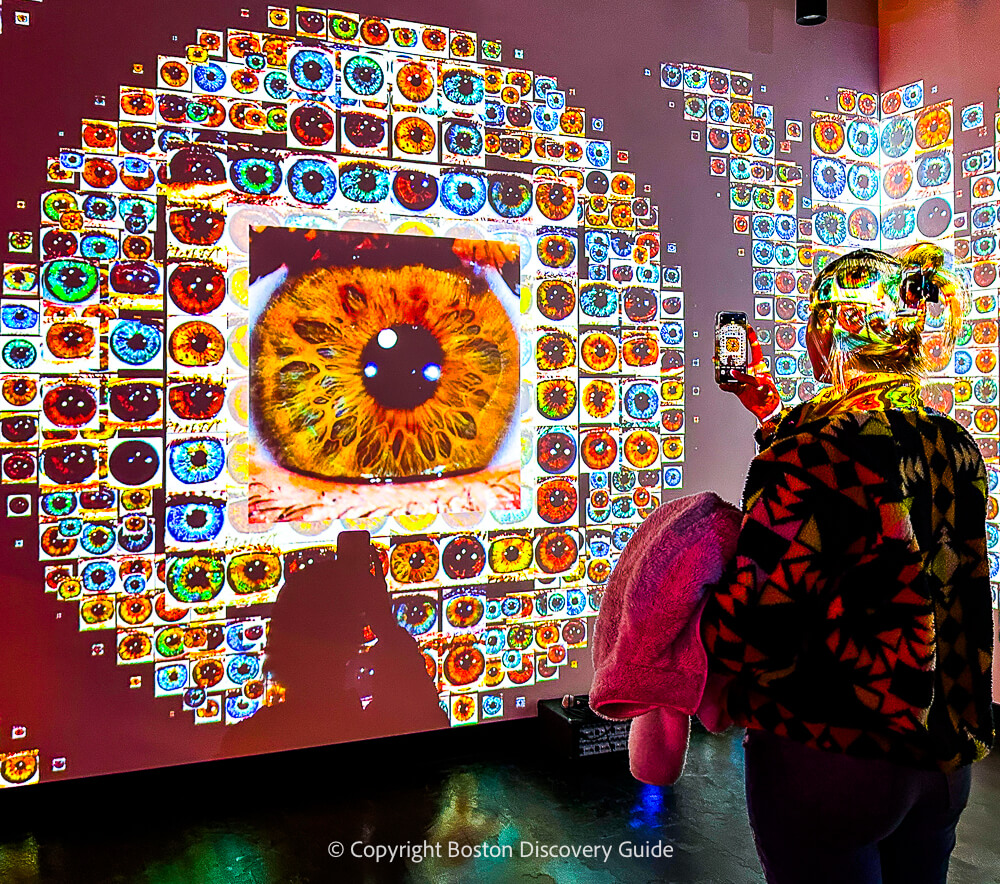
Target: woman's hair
[{"x": 886, "y": 313}]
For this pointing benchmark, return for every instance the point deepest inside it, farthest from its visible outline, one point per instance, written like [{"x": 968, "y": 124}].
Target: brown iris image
[{"x": 384, "y": 375}]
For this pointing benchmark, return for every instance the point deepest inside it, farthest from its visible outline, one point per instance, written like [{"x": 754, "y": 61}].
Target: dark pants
[{"x": 825, "y": 817}]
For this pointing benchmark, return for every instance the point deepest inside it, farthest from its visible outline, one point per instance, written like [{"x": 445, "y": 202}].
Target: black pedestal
[{"x": 577, "y": 732}]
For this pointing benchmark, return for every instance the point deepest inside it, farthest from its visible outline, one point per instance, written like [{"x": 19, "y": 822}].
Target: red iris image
[{"x": 557, "y": 501}]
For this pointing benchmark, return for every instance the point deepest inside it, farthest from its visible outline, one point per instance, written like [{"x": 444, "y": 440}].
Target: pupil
[
  {"x": 73, "y": 406},
  {"x": 401, "y": 366},
  {"x": 197, "y": 579},
  {"x": 73, "y": 278}
]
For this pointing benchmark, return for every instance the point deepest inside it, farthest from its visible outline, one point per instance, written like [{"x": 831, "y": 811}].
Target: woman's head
[{"x": 875, "y": 312}]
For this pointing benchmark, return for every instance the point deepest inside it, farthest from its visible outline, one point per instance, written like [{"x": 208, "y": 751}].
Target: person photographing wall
[{"x": 855, "y": 621}]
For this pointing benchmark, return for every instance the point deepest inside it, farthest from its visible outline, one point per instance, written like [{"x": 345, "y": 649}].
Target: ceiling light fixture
[{"x": 810, "y": 12}]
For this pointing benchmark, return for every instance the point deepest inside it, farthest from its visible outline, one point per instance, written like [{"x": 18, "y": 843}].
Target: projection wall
[
  {"x": 957, "y": 68},
  {"x": 275, "y": 273}
]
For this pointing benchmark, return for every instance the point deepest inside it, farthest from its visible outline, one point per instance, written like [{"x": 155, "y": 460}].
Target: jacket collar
[{"x": 867, "y": 392}]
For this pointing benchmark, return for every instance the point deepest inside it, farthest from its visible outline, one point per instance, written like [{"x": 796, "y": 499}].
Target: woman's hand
[{"x": 756, "y": 389}]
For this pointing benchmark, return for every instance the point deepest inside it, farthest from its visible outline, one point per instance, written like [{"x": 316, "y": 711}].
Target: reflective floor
[{"x": 282, "y": 818}]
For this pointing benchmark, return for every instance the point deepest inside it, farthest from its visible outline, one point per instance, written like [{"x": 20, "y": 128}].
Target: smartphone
[{"x": 732, "y": 347}]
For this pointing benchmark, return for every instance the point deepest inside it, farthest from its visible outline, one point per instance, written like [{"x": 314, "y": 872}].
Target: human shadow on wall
[{"x": 348, "y": 669}]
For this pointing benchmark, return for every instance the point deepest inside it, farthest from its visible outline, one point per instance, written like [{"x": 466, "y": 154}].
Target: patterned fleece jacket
[{"x": 856, "y": 616}]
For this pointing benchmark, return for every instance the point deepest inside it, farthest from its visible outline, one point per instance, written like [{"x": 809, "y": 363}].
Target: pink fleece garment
[{"x": 649, "y": 660}]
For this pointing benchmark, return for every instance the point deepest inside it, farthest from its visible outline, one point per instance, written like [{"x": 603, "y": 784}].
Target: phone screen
[{"x": 731, "y": 345}]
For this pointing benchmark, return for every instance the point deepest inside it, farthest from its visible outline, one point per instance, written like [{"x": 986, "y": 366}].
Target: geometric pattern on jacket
[{"x": 856, "y": 616}]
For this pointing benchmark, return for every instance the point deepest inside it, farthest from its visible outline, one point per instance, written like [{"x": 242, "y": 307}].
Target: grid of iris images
[{"x": 882, "y": 174}]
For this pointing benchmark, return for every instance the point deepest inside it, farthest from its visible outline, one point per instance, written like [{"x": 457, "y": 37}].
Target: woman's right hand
[{"x": 756, "y": 389}]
